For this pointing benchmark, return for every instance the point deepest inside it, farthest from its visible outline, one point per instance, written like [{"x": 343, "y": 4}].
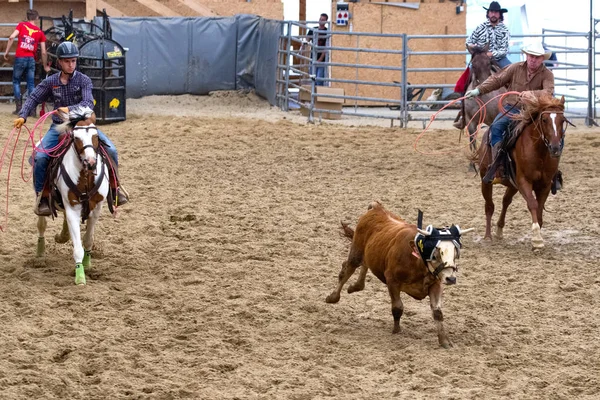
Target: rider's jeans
[
  {"x": 49, "y": 141},
  {"x": 501, "y": 123},
  {"x": 503, "y": 62}
]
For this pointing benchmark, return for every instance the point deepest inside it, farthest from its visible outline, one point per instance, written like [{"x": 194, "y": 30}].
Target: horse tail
[{"x": 479, "y": 154}]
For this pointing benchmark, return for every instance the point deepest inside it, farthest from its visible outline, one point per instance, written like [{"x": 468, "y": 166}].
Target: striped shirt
[
  {"x": 496, "y": 37},
  {"x": 514, "y": 78},
  {"x": 78, "y": 91}
]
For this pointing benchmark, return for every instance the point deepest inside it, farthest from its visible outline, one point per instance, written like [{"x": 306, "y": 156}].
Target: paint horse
[
  {"x": 532, "y": 162},
  {"x": 80, "y": 185}
]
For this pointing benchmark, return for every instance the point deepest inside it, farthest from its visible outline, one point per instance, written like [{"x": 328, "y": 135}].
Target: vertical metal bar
[
  {"x": 404, "y": 105},
  {"x": 589, "y": 121},
  {"x": 288, "y": 45},
  {"x": 313, "y": 76},
  {"x": 356, "y": 84},
  {"x": 595, "y": 66}
]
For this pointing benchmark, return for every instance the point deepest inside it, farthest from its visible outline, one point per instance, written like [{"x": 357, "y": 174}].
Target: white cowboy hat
[{"x": 537, "y": 49}]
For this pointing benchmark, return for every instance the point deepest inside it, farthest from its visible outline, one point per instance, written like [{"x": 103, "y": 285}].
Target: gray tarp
[{"x": 168, "y": 56}]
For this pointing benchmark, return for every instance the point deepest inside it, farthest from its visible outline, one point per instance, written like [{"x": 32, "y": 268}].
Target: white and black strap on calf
[{"x": 427, "y": 243}]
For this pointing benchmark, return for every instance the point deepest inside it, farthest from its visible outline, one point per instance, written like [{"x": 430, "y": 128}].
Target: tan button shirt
[{"x": 514, "y": 78}]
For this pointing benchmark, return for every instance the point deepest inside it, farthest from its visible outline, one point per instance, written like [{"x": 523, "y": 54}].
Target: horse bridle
[
  {"x": 87, "y": 146},
  {"x": 537, "y": 123}
]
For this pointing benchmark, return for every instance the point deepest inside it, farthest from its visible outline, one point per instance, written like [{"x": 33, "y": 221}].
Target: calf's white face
[{"x": 444, "y": 260}]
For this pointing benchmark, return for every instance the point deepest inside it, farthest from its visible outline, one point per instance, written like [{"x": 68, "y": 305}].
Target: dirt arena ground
[{"x": 211, "y": 284}]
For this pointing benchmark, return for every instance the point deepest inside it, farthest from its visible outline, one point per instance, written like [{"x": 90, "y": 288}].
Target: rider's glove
[
  {"x": 63, "y": 112},
  {"x": 472, "y": 93},
  {"x": 527, "y": 95},
  {"x": 19, "y": 122}
]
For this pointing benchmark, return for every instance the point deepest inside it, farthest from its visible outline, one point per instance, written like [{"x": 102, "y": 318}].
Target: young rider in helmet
[{"x": 66, "y": 88}]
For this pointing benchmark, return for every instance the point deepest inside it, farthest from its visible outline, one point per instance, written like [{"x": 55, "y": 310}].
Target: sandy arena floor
[{"x": 211, "y": 284}]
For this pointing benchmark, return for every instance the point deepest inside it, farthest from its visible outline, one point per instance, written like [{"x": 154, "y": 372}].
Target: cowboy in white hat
[
  {"x": 537, "y": 49},
  {"x": 530, "y": 78}
]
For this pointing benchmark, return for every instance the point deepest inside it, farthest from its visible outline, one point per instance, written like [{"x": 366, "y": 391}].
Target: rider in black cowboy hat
[{"x": 493, "y": 34}]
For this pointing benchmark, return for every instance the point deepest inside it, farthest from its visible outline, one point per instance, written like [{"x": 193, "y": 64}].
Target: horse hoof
[
  {"x": 332, "y": 298},
  {"x": 537, "y": 245},
  {"x": 60, "y": 239}
]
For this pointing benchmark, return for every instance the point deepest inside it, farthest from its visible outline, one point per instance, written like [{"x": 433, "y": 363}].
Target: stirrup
[
  {"x": 459, "y": 124},
  {"x": 490, "y": 175},
  {"x": 121, "y": 196},
  {"x": 42, "y": 207}
]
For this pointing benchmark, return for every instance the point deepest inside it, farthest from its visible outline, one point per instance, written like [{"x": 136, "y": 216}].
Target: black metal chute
[{"x": 103, "y": 60}]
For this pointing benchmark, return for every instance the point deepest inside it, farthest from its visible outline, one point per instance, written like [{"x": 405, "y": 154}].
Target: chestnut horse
[
  {"x": 533, "y": 162},
  {"x": 482, "y": 67}
]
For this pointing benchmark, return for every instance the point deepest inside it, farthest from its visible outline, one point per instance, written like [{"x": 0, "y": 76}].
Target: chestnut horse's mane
[{"x": 533, "y": 106}]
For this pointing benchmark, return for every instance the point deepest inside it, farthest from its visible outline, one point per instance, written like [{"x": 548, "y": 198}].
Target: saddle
[{"x": 504, "y": 165}]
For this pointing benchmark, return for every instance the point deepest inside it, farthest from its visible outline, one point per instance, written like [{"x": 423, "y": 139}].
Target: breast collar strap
[{"x": 73, "y": 187}]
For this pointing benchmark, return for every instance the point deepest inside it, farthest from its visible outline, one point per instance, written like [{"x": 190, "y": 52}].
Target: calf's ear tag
[{"x": 414, "y": 250}]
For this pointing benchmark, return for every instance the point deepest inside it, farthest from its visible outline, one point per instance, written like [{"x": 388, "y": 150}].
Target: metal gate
[{"x": 574, "y": 73}]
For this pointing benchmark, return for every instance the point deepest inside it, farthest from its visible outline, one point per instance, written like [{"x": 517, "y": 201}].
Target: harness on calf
[{"x": 426, "y": 244}]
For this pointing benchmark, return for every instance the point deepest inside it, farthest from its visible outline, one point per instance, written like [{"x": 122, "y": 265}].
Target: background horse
[
  {"x": 82, "y": 181},
  {"x": 534, "y": 162},
  {"x": 481, "y": 69}
]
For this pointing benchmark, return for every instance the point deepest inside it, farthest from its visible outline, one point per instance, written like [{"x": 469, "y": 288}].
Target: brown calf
[{"x": 385, "y": 244}]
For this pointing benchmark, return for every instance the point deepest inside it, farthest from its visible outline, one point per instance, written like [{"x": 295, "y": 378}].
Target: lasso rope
[
  {"x": 482, "y": 112},
  {"x": 55, "y": 151}
]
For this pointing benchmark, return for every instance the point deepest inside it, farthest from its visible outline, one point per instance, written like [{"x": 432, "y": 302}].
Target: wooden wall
[
  {"x": 434, "y": 17},
  {"x": 15, "y": 12}
]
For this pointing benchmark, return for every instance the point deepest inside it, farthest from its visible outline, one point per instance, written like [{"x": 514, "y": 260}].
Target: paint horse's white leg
[
  {"x": 88, "y": 237},
  {"x": 73, "y": 214},
  {"x": 41, "y": 244},
  {"x": 63, "y": 236}
]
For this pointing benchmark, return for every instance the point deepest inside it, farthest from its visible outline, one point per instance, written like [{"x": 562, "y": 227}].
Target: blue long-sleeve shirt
[{"x": 78, "y": 91}]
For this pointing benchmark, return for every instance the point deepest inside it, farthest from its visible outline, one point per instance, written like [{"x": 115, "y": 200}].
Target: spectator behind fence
[
  {"x": 552, "y": 61},
  {"x": 319, "y": 71},
  {"x": 29, "y": 36}
]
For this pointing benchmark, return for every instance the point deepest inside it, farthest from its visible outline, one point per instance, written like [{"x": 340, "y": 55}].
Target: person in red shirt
[{"x": 30, "y": 35}]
